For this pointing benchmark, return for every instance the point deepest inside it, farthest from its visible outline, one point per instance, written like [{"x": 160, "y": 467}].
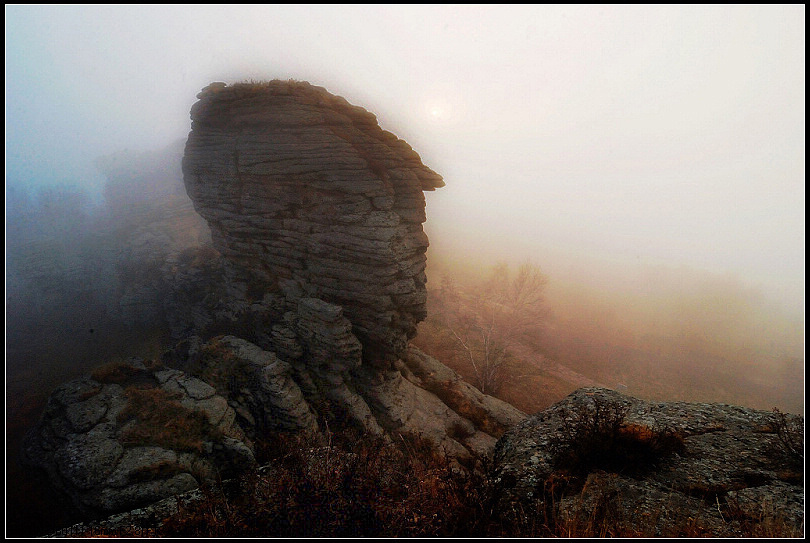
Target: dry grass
[
  {"x": 790, "y": 432},
  {"x": 159, "y": 419},
  {"x": 342, "y": 487},
  {"x": 114, "y": 372},
  {"x": 346, "y": 485}
]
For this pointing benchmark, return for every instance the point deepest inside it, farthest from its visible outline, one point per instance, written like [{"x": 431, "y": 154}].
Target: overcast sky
[{"x": 657, "y": 135}]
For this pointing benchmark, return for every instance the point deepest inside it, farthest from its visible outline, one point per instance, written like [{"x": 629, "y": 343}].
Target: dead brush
[
  {"x": 758, "y": 519},
  {"x": 597, "y": 437},
  {"x": 342, "y": 485},
  {"x": 158, "y": 418},
  {"x": 789, "y": 431}
]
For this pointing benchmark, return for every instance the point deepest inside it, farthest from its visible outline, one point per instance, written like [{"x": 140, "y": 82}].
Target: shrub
[
  {"x": 790, "y": 433},
  {"x": 598, "y": 438},
  {"x": 341, "y": 485}
]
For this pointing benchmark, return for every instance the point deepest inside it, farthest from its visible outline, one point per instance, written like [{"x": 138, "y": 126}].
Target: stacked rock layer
[{"x": 315, "y": 200}]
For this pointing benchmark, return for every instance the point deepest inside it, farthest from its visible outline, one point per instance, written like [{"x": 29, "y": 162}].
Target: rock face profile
[
  {"x": 311, "y": 198},
  {"x": 299, "y": 312},
  {"x": 672, "y": 468},
  {"x": 316, "y": 214}
]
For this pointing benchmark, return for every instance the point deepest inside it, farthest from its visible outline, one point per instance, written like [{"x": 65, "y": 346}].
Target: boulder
[
  {"x": 640, "y": 467},
  {"x": 130, "y": 434}
]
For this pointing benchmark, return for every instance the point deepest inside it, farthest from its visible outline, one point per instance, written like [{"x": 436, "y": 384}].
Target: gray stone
[
  {"x": 143, "y": 493},
  {"x": 87, "y": 459},
  {"x": 82, "y": 442},
  {"x": 134, "y": 460},
  {"x": 314, "y": 176}
]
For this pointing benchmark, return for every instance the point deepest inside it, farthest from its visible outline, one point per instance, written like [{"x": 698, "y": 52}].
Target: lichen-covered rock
[
  {"x": 258, "y": 385},
  {"x": 311, "y": 197},
  {"x": 643, "y": 467},
  {"x": 128, "y": 434}
]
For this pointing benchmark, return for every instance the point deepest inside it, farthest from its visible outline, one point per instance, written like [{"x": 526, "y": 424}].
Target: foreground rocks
[
  {"x": 599, "y": 458},
  {"x": 129, "y": 435},
  {"x": 420, "y": 398}
]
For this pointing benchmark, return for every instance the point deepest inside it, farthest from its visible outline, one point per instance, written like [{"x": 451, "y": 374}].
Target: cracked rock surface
[
  {"x": 109, "y": 455},
  {"x": 316, "y": 218}
]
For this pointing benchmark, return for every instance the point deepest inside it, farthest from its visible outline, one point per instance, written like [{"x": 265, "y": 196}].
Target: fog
[
  {"x": 650, "y": 159},
  {"x": 603, "y": 142},
  {"x": 636, "y": 136}
]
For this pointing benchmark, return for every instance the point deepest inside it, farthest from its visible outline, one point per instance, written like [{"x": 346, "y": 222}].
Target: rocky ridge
[{"x": 316, "y": 214}]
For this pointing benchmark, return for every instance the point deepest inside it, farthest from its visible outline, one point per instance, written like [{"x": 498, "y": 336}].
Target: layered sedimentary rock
[
  {"x": 639, "y": 467},
  {"x": 298, "y": 313},
  {"x": 316, "y": 217},
  {"x": 313, "y": 199}
]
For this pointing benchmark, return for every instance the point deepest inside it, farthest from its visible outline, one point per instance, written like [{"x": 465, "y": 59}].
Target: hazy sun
[
  {"x": 438, "y": 112},
  {"x": 440, "y": 104}
]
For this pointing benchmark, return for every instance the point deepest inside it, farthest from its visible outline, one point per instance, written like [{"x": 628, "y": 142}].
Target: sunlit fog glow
[
  {"x": 575, "y": 135},
  {"x": 641, "y": 168}
]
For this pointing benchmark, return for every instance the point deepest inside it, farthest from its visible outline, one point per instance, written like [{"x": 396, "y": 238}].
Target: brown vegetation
[
  {"x": 480, "y": 326},
  {"x": 790, "y": 431},
  {"x": 677, "y": 338},
  {"x": 345, "y": 485},
  {"x": 159, "y": 419},
  {"x": 597, "y": 438}
]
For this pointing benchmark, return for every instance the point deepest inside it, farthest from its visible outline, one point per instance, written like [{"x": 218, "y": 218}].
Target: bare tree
[{"x": 485, "y": 323}]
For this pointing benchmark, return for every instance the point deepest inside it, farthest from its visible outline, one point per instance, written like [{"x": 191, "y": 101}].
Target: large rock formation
[
  {"x": 299, "y": 312},
  {"x": 310, "y": 197},
  {"x": 316, "y": 214},
  {"x": 600, "y": 460}
]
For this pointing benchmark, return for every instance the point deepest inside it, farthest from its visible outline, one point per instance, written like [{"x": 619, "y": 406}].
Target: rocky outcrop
[
  {"x": 310, "y": 197},
  {"x": 128, "y": 435},
  {"x": 316, "y": 214},
  {"x": 420, "y": 398},
  {"x": 257, "y": 383},
  {"x": 297, "y": 315},
  {"x": 665, "y": 468}
]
